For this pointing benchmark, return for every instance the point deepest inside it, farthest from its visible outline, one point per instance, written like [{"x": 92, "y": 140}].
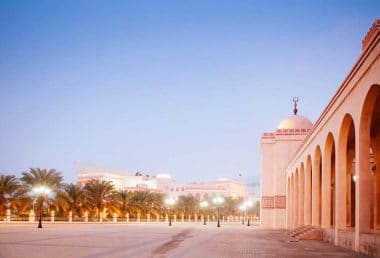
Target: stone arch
[
  {"x": 316, "y": 186},
  {"x": 345, "y": 178},
  {"x": 369, "y": 156},
  {"x": 328, "y": 183},
  {"x": 288, "y": 204},
  {"x": 308, "y": 191},
  {"x": 301, "y": 194},
  {"x": 292, "y": 201},
  {"x": 296, "y": 197}
]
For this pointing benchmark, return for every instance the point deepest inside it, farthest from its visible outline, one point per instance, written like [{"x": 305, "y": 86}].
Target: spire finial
[{"x": 295, "y": 110}]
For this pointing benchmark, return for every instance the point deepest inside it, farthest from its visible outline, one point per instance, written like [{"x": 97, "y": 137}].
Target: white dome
[{"x": 295, "y": 122}]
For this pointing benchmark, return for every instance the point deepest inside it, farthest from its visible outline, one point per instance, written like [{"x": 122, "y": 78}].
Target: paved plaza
[{"x": 155, "y": 240}]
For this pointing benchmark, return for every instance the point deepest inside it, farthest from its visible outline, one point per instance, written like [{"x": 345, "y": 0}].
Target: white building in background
[
  {"x": 121, "y": 179},
  {"x": 222, "y": 187},
  {"x": 163, "y": 183}
]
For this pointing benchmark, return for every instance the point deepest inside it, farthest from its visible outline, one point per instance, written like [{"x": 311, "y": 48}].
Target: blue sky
[{"x": 183, "y": 87}]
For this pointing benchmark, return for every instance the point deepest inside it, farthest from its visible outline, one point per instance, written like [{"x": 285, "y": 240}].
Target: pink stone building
[
  {"x": 330, "y": 172},
  {"x": 277, "y": 149}
]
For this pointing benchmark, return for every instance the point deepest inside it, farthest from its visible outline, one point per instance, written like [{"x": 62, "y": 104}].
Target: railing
[{"x": 227, "y": 219}]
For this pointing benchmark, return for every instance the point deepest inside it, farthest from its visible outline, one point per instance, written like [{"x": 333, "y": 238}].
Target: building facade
[
  {"x": 203, "y": 190},
  {"x": 332, "y": 177},
  {"x": 277, "y": 149},
  {"x": 121, "y": 179},
  {"x": 162, "y": 183}
]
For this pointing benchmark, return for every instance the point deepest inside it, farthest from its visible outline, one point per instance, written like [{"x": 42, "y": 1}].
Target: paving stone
[{"x": 156, "y": 240}]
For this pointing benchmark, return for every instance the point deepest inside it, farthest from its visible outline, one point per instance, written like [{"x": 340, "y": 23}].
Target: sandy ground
[{"x": 155, "y": 240}]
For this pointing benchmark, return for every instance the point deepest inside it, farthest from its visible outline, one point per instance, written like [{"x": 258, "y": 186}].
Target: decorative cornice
[
  {"x": 291, "y": 131},
  {"x": 285, "y": 132},
  {"x": 273, "y": 202},
  {"x": 267, "y": 135},
  {"x": 280, "y": 202},
  {"x": 267, "y": 202},
  {"x": 371, "y": 34}
]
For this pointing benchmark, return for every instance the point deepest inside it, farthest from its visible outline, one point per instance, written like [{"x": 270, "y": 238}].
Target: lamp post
[
  {"x": 204, "y": 204},
  {"x": 170, "y": 202},
  {"x": 41, "y": 192},
  {"x": 249, "y": 205},
  {"x": 218, "y": 201},
  {"x": 243, "y": 208}
]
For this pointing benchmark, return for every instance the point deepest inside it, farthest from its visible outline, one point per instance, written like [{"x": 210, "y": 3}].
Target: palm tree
[
  {"x": 98, "y": 194},
  {"x": 42, "y": 177},
  {"x": 142, "y": 202},
  {"x": 121, "y": 201},
  {"x": 158, "y": 203},
  {"x": 187, "y": 205},
  {"x": 72, "y": 197},
  {"x": 49, "y": 181},
  {"x": 9, "y": 188}
]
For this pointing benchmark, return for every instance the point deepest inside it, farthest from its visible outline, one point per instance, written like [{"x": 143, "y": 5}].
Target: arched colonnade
[{"x": 334, "y": 181}]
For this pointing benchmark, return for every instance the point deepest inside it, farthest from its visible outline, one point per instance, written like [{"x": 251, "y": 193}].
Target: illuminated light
[
  {"x": 169, "y": 201},
  {"x": 218, "y": 200},
  {"x": 41, "y": 189},
  {"x": 249, "y": 203},
  {"x": 242, "y": 207},
  {"x": 203, "y": 204}
]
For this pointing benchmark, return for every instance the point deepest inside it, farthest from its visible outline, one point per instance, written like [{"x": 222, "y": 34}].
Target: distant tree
[
  {"x": 256, "y": 209},
  {"x": 98, "y": 194},
  {"x": 231, "y": 206},
  {"x": 9, "y": 190},
  {"x": 142, "y": 201},
  {"x": 72, "y": 198},
  {"x": 187, "y": 205},
  {"x": 158, "y": 203},
  {"x": 121, "y": 202}
]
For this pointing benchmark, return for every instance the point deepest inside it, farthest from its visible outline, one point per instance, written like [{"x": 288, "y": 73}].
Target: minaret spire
[{"x": 295, "y": 110}]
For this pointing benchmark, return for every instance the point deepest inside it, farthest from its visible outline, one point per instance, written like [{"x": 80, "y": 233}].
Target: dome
[{"x": 295, "y": 122}]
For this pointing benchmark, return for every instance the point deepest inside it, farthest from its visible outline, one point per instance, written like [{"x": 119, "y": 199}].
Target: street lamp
[
  {"x": 170, "y": 202},
  {"x": 249, "y": 205},
  {"x": 243, "y": 208},
  {"x": 204, "y": 204},
  {"x": 218, "y": 201},
  {"x": 41, "y": 191}
]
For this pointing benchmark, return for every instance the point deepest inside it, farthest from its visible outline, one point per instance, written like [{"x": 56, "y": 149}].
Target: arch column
[
  {"x": 326, "y": 188},
  {"x": 307, "y": 200},
  {"x": 296, "y": 194},
  {"x": 362, "y": 193},
  {"x": 288, "y": 205},
  {"x": 376, "y": 171},
  {"x": 301, "y": 190},
  {"x": 340, "y": 196},
  {"x": 316, "y": 189},
  {"x": 292, "y": 201},
  {"x": 342, "y": 177}
]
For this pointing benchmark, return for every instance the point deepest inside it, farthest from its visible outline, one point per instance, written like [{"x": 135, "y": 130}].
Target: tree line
[{"x": 96, "y": 198}]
